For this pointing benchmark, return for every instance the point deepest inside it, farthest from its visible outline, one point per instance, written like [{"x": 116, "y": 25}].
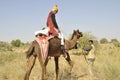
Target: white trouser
[
  {"x": 46, "y": 30},
  {"x": 60, "y": 35}
]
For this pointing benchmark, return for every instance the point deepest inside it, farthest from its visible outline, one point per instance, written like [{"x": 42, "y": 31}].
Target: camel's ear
[{"x": 77, "y": 30}]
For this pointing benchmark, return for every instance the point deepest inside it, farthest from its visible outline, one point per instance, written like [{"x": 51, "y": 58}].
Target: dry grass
[{"x": 106, "y": 67}]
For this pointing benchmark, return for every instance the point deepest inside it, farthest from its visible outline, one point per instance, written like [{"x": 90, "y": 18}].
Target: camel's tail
[{"x": 30, "y": 51}]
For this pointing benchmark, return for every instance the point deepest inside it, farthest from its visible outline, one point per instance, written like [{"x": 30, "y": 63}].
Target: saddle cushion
[{"x": 44, "y": 45}]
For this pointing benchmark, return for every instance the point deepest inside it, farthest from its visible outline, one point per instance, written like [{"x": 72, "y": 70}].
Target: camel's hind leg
[
  {"x": 30, "y": 64},
  {"x": 69, "y": 62},
  {"x": 43, "y": 66}
]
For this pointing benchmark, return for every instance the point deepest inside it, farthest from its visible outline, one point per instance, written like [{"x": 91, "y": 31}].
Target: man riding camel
[{"x": 52, "y": 27}]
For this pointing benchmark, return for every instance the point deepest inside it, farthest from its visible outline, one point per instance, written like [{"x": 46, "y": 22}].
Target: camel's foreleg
[{"x": 69, "y": 62}]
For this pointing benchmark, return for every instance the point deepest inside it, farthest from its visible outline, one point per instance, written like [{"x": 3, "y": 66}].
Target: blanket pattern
[{"x": 44, "y": 45}]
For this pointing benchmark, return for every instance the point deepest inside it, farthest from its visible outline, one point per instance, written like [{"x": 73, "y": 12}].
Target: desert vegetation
[{"x": 106, "y": 67}]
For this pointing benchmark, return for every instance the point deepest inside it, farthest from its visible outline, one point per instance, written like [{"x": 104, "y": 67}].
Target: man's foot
[{"x": 63, "y": 49}]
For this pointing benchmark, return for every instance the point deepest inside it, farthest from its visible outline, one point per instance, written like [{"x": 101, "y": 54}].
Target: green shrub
[
  {"x": 118, "y": 44},
  {"x": 16, "y": 43},
  {"x": 103, "y": 41},
  {"x": 115, "y": 42},
  {"x": 4, "y": 46}
]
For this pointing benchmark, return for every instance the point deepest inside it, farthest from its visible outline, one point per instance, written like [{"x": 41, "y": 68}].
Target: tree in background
[
  {"x": 16, "y": 43},
  {"x": 103, "y": 41},
  {"x": 115, "y": 42}
]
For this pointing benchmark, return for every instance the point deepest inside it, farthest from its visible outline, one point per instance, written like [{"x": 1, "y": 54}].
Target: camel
[{"x": 53, "y": 51}]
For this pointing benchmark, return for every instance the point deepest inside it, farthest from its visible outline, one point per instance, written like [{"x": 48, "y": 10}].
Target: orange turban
[{"x": 55, "y": 8}]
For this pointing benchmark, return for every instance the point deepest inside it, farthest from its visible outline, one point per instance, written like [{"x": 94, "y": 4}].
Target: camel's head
[{"x": 77, "y": 33}]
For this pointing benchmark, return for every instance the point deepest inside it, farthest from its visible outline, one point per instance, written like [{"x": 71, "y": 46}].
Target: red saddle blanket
[{"x": 44, "y": 45}]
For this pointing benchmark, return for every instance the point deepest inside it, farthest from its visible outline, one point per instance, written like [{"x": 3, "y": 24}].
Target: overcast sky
[{"x": 19, "y": 19}]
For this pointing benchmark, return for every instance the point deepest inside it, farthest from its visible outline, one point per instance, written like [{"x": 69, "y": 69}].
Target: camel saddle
[{"x": 44, "y": 45}]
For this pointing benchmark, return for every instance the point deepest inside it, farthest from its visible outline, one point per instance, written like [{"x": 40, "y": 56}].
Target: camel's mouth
[{"x": 81, "y": 35}]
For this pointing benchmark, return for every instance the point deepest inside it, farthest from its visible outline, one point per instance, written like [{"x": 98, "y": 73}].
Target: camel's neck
[
  {"x": 71, "y": 43},
  {"x": 74, "y": 40}
]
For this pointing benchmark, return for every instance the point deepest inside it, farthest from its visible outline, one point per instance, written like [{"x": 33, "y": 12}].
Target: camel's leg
[
  {"x": 44, "y": 72},
  {"x": 43, "y": 66},
  {"x": 69, "y": 62},
  {"x": 30, "y": 64},
  {"x": 56, "y": 66}
]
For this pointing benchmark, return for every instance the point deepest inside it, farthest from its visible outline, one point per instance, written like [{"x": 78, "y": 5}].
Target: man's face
[
  {"x": 89, "y": 43},
  {"x": 55, "y": 12}
]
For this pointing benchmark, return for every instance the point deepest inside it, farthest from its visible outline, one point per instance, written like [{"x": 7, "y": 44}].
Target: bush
[
  {"x": 103, "y": 41},
  {"x": 117, "y": 44},
  {"x": 16, "y": 43},
  {"x": 4, "y": 46},
  {"x": 114, "y": 40}
]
